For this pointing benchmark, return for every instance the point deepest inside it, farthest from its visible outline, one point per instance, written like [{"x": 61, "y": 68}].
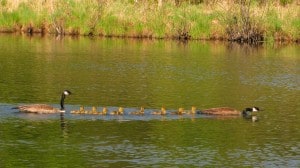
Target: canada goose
[
  {"x": 139, "y": 112},
  {"x": 179, "y": 112},
  {"x": 229, "y": 111},
  {"x": 44, "y": 108},
  {"x": 80, "y": 111},
  {"x": 161, "y": 112},
  {"x": 120, "y": 111}
]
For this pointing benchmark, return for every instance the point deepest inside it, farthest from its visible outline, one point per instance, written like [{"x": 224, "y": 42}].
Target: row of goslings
[{"x": 141, "y": 111}]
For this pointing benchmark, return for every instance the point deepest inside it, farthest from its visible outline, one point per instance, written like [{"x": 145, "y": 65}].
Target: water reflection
[
  {"x": 133, "y": 73},
  {"x": 63, "y": 125}
]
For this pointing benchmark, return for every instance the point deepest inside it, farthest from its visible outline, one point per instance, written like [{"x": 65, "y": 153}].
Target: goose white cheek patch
[{"x": 66, "y": 93}]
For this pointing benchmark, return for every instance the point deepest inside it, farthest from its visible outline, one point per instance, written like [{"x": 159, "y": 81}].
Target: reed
[{"x": 181, "y": 19}]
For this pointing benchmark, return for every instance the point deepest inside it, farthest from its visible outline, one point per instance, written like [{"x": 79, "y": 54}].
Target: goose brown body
[
  {"x": 44, "y": 108},
  {"x": 38, "y": 108},
  {"x": 221, "y": 111}
]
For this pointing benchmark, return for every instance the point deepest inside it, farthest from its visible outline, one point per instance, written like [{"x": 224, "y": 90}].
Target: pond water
[{"x": 131, "y": 73}]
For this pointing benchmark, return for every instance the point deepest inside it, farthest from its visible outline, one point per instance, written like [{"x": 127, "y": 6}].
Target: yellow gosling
[
  {"x": 84, "y": 112},
  {"x": 179, "y": 112},
  {"x": 104, "y": 111},
  {"x": 94, "y": 110},
  {"x": 119, "y": 112},
  {"x": 139, "y": 112},
  {"x": 80, "y": 111},
  {"x": 162, "y": 111},
  {"x": 193, "y": 110}
]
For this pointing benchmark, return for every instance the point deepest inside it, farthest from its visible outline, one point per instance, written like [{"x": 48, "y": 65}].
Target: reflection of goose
[
  {"x": 120, "y": 111},
  {"x": 139, "y": 112},
  {"x": 44, "y": 108},
  {"x": 179, "y": 112},
  {"x": 80, "y": 111},
  {"x": 254, "y": 118},
  {"x": 162, "y": 111},
  {"x": 229, "y": 111},
  {"x": 64, "y": 126}
]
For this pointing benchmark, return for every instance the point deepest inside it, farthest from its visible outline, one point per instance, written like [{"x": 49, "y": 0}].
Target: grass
[{"x": 208, "y": 20}]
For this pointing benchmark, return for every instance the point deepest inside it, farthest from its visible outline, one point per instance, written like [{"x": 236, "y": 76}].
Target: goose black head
[
  {"x": 248, "y": 111},
  {"x": 252, "y": 109},
  {"x": 67, "y": 92},
  {"x": 62, "y": 100},
  {"x": 255, "y": 109}
]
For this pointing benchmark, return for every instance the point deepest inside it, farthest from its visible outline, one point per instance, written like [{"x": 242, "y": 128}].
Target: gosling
[
  {"x": 120, "y": 111},
  {"x": 80, "y": 111},
  {"x": 179, "y": 112},
  {"x": 139, "y": 112},
  {"x": 162, "y": 111}
]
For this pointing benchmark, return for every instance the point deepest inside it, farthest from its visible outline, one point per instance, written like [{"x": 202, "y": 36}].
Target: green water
[{"x": 133, "y": 73}]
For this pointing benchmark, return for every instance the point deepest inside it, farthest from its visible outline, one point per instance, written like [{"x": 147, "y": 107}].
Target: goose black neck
[
  {"x": 62, "y": 102},
  {"x": 246, "y": 113}
]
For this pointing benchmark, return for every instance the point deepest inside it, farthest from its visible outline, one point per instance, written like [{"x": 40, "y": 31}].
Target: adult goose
[
  {"x": 44, "y": 108},
  {"x": 229, "y": 111}
]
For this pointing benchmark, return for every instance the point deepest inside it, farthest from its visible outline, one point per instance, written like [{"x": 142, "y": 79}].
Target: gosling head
[
  {"x": 81, "y": 108},
  {"x": 94, "y": 109},
  {"x": 104, "y": 110}
]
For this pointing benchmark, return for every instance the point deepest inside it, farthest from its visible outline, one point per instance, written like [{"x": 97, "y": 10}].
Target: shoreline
[
  {"x": 218, "y": 39},
  {"x": 245, "y": 22}
]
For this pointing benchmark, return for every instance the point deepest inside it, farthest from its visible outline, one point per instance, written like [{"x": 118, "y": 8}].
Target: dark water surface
[{"x": 133, "y": 73}]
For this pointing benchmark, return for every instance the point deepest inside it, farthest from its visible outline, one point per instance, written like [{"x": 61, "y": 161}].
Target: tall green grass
[
  {"x": 23, "y": 15},
  {"x": 276, "y": 19}
]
